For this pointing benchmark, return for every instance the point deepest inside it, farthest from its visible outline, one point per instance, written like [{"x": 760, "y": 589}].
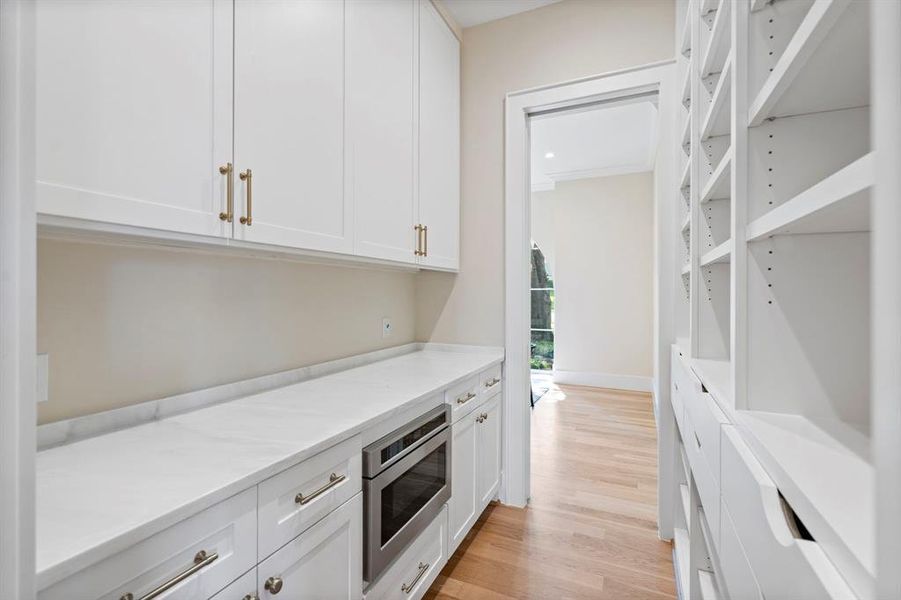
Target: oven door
[{"x": 403, "y": 499}]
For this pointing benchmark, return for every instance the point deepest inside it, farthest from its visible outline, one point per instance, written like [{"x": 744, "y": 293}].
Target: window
[{"x": 542, "y": 327}]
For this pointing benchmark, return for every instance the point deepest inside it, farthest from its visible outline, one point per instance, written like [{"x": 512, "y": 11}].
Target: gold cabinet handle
[
  {"x": 425, "y": 244},
  {"x": 248, "y": 177},
  {"x": 229, "y": 213},
  {"x": 201, "y": 560},
  {"x": 492, "y": 383},
  {"x": 274, "y": 585},
  {"x": 408, "y": 587},
  {"x": 418, "y": 230},
  {"x": 466, "y": 398},
  {"x": 333, "y": 480}
]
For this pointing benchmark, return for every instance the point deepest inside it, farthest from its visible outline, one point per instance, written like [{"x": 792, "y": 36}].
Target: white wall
[
  {"x": 604, "y": 244},
  {"x": 559, "y": 42},
  {"x": 123, "y": 325}
]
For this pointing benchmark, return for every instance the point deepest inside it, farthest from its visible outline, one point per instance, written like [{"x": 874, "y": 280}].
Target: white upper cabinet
[
  {"x": 289, "y": 124},
  {"x": 439, "y": 140},
  {"x": 133, "y": 111},
  {"x": 381, "y": 44}
]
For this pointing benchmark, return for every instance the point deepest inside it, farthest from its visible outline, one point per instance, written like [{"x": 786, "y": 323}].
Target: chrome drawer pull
[
  {"x": 333, "y": 480},
  {"x": 492, "y": 383},
  {"x": 405, "y": 588},
  {"x": 274, "y": 585},
  {"x": 201, "y": 560},
  {"x": 466, "y": 398}
]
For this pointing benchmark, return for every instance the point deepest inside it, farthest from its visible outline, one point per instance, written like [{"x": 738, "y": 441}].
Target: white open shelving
[
  {"x": 717, "y": 47},
  {"x": 718, "y": 184},
  {"x": 717, "y": 121},
  {"x": 720, "y": 254}
]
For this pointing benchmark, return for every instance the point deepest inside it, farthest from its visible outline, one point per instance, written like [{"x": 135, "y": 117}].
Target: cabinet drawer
[
  {"x": 245, "y": 588},
  {"x": 734, "y": 567},
  {"x": 293, "y": 500},
  {"x": 708, "y": 486},
  {"x": 706, "y": 420},
  {"x": 785, "y": 566},
  {"x": 463, "y": 397},
  {"x": 225, "y": 534},
  {"x": 678, "y": 407},
  {"x": 491, "y": 381},
  {"x": 413, "y": 572},
  {"x": 323, "y": 563}
]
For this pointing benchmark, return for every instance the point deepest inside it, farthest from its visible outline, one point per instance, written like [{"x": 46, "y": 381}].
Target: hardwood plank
[{"x": 590, "y": 530}]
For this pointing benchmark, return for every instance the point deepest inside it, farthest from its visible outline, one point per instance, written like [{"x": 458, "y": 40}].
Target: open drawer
[{"x": 784, "y": 564}]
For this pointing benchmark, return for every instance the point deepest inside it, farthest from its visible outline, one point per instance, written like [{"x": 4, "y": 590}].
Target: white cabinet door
[
  {"x": 289, "y": 124},
  {"x": 326, "y": 561},
  {"x": 134, "y": 112},
  {"x": 489, "y": 450},
  {"x": 244, "y": 588},
  {"x": 464, "y": 509},
  {"x": 439, "y": 139},
  {"x": 380, "y": 142}
]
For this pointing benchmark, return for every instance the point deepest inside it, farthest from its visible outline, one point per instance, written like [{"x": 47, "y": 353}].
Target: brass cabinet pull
[
  {"x": 201, "y": 560},
  {"x": 248, "y": 177},
  {"x": 229, "y": 213},
  {"x": 407, "y": 588},
  {"x": 425, "y": 244},
  {"x": 333, "y": 480},
  {"x": 466, "y": 398},
  {"x": 274, "y": 585},
  {"x": 418, "y": 230},
  {"x": 491, "y": 383}
]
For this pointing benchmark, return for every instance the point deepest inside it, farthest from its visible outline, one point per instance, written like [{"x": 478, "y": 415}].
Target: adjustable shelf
[
  {"x": 686, "y": 268},
  {"x": 685, "y": 173},
  {"x": 823, "y": 468},
  {"x": 718, "y": 42},
  {"x": 686, "y": 222},
  {"x": 832, "y": 38},
  {"x": 839, "y": 203},
  {"x": 708, "y": 5},
  {"x": 686, "y": 87},
  {"x": 686, "y": 133},
  {"x": 717, "y": 121},
  {"x": 719, "y": 255},
  {"x": 685, "y": 43},
  {"x": 719, "y": 183}
]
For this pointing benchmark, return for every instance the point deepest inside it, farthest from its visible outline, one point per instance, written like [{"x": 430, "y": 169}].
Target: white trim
[
  {"x": 633, "y": 383},
  {"x": 642, "y": 167},
  {"x": 17, "y": 301},
  {"x": 519, "y": 105}
]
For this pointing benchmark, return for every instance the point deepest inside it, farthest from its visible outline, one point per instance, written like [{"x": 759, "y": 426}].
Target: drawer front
[
  {"x": 245, "y": 588},
  {"x": 414, "y": 571},
  {"x": 463, "y": 397},
  {"x": 678, "y": 407},
  {"x": 708, "y": 486},
  {"x": 734, "y": 567},
  {"x": 785, "y": 567},
  {"x": 295, "y": 499},
  {"x": 226, "y": 533},
  {"x": 491, "y": 381},
  {"x": 706, "y": 420},
  {"x": 324, "y": 562}
]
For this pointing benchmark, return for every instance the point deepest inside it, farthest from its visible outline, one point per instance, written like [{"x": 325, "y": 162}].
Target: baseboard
[{"x": 633, "y": 383}]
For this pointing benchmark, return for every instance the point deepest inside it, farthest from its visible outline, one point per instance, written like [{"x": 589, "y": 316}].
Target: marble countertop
[{"x": 100, "y": 495}]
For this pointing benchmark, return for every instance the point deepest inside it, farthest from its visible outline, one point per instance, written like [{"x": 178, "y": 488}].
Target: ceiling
[
  {"x": 593, "y": 143},
  {"x": 475, "y": 12}
]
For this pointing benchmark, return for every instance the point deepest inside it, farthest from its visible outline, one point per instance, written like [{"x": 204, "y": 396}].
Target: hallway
[{"x": 590, "y": 529}]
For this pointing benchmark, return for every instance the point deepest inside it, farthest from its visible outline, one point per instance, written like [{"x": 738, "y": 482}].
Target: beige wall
[
  {"x": 559, "y": 42},
  {"x": 123, "y": 325},
  {"x": 604, "y": 240}
]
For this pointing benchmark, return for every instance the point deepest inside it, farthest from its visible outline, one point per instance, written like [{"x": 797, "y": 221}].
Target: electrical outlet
[
  {"x": 386, "y": 327},
  {"x": 42, "y": 379}
]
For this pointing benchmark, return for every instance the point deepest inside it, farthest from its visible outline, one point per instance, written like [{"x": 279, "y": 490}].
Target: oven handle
[
  {"x": 416, "y": 454},
  {"x": 372, "y": 465}
]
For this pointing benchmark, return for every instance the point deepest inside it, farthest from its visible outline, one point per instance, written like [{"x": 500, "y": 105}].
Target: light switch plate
[
  {"x": 386, "y": 327},
  {"x": 42, "y": 379}
]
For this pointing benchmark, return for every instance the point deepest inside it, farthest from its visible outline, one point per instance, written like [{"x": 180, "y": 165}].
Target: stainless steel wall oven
[{"x": 406, "y": 481}]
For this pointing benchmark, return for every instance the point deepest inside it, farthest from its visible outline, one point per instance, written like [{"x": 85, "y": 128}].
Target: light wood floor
[{"x": 590, "y": 528}]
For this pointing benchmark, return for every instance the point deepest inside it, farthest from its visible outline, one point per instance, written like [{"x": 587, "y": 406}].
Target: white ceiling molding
[{"x": 468, "y": 13}]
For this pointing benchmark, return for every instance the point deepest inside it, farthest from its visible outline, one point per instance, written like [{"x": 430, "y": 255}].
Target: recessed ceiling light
[{"x": 549, "y": 155}]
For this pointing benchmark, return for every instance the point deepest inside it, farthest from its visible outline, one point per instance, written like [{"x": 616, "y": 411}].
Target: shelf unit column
[{"x": 694, "y": 177}]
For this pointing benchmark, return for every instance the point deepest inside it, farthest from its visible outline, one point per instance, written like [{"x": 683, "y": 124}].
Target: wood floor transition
[{"x": 590, "y": 529}]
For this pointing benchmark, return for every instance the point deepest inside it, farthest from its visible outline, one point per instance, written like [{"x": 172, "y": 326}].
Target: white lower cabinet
[
  {"x": 326, "y": 561},
  {"x": 192, "y": 559},
  {"x": 410, "y": 576},
  {"x": 464, "y": 468},
  {"x": 476, "y": 466},
  {"x": 244, "y": 588}
]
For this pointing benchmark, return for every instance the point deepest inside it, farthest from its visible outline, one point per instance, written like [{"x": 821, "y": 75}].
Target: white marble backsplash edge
[{"x": 72, "y": 430}]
